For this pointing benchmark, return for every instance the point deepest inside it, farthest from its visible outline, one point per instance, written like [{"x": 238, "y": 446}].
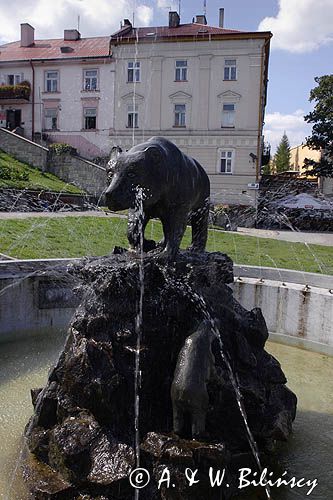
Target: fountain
[{"x": 164, "y": 388}]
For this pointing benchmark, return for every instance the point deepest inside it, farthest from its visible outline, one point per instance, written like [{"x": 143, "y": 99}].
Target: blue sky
[{"x": 302, "y": 44}]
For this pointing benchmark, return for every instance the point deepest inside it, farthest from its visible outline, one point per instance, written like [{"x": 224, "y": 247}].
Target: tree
[
  {"x": 322, "y": 130},
  {"x": 282, "y": 155}
]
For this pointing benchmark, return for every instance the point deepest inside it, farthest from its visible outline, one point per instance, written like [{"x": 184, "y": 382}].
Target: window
[
  {"x": 133, "y": 71},
  {"x": 14, "y": 79},
  {"x": 180, "y": 115},
  {"x": 51, "y": 81},
  {"x": 132, "y": 116},
  {"x": 51, "y": 118},
  {"x": 90, "y": 79},
  {"x": 226, "y": 162},
  {"x": 181, "y": 71},
  {"x": 89, "y": 118},
  {"x": 228, "y": 115},
  {"x": 230, "y": 69}
]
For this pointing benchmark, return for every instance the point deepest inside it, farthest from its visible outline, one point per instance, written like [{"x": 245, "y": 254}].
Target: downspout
[
  {"x": 263, "y": 75},
  {"x": 33, "y": 102}
]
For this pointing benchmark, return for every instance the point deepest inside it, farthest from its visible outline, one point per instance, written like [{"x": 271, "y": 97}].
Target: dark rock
[{"x": 83, "y": 425}]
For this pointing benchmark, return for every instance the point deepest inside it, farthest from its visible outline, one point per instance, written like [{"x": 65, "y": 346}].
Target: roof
[
  {"x": 51, "y": 49},
  {"x": 128, "y": 34}
]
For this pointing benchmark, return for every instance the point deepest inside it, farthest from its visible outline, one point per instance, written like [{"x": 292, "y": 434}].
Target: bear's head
[{"x": 132, "y": 171}]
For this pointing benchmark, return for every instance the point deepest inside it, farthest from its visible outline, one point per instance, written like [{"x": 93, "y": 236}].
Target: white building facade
[
  {"x": 203, "y": 88},
  {"x": 71, "y": 88}
]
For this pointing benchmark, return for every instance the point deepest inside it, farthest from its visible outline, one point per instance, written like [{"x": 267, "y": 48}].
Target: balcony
[
  {"x": 21, "y": 91},
  {"x": 266, "y": 154}
]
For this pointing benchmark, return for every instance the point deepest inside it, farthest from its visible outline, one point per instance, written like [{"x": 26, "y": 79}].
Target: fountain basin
[{"x": 297, "y": 306}]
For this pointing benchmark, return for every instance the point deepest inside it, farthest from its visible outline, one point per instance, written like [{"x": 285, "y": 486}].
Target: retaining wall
[
  {"x": 76, "y": 170},
  {"x": 35, "y": 295},
  {"x": 72, "y": 169},
  {"x": 23, "y": 149}
]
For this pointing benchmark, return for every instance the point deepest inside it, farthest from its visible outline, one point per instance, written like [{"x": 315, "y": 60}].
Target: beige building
[
  {"x": 298, "y": 155},
  {"x": 203, "y": 88}
]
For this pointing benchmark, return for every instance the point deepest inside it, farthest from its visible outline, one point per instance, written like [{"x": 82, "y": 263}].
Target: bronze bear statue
[{"x": 175, "y": 188}]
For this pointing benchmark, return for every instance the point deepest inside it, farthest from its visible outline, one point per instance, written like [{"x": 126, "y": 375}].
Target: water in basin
[{"x": 308, "y": 454}]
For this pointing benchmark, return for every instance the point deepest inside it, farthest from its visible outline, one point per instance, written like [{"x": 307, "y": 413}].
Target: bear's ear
[
  {"x": 154, "y": 154},
  {"x": 115, "y": 152}
]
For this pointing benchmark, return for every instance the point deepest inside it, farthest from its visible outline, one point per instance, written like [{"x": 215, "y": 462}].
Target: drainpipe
[
  {"x": 260, "y": 114},
  {"x": 33, "y": 101}
]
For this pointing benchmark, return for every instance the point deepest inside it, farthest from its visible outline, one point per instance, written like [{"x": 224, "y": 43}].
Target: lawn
[
  {"x": 18, "y": 175},
  {"x": 34, "y": 238}
]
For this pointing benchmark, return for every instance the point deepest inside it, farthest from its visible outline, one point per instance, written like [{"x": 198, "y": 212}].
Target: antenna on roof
[
  {"x": 205, "y": 7},
  {"x": 179, "y": 3},
  {"x": 78, "y": 22},
  {"x": 133, "y": 19}
]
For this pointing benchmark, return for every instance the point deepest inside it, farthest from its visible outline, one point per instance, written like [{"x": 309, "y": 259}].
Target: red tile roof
[
  {"x": 51, "y": 49},
  {"x": 160, "y": 33}
]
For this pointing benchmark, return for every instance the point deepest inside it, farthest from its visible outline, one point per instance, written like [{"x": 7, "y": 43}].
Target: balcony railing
[
  {"x": 266, "y": 154},
  {"x": 20, "y": 91}
]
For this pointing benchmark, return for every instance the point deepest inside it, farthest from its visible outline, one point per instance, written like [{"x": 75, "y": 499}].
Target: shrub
[
  {"x": 12, "y": 174},
  {"x": 60, "y": 148}
]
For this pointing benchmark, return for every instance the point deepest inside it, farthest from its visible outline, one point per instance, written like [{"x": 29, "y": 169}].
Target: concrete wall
[
  {"x": 32, "y": 303},
  {"x": 35, "y": 295},
  {"x": 23, "y": 149},
  {"x": 83, "y": 173}
]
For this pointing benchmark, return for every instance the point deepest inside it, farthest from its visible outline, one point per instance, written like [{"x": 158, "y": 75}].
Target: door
[{"x": 13, "y": 118}]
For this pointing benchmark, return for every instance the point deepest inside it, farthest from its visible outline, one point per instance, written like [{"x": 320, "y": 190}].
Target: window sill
[
  {"x": 229, "y": 80},
  {"x": 89, "y": 129},
  {"x": 139, "y": 81},
  {"x": 51, "y": 92},
  {"x": 224, "y": 173},
  {"x": 180, "y": 81},
  {"x": 130, "y": 128},
  {"x": 92, "y": 90},
  {"x": 179, "y": 126},
  {"x": 51, "y": 130},
  {"x": 226, "y": 126}
]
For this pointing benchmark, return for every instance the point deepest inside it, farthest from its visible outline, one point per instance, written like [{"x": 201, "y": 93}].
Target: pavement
[{"x": 325, "y": 239}]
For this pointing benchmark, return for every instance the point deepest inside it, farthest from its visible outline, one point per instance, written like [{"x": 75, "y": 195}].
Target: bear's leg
[
  {"x": 134, "y": 227},
  {"x": 198, "y": 422},
  {"x": 199, "y": 223},
  {"x": 174, "y": 225},
  {"x": 178, "y": 419}
]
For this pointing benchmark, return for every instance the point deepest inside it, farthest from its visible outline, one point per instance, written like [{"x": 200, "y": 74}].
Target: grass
[
  {"x": 46, "y": 237},
  {"x": 35, "y": 178}
]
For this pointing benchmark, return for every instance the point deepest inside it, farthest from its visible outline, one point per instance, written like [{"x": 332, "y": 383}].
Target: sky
[{"x": 301, "y": 47}]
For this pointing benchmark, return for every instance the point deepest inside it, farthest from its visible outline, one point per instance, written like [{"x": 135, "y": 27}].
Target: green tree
[
  {"x": 322, "y": 130},
  {"x": 282, "y": 155}
]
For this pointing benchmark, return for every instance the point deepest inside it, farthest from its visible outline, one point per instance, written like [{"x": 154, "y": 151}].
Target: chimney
[
  {"x": 221, "y": 18},
  {"x": 174, "y": 19},
  {"x": 27, "y": 35},
  {"x": 201, "y": 19},
  {"x": 72, "y": 35}
]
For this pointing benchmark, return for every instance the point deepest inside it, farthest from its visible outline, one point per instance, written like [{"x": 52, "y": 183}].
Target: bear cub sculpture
[
  {"x": 175, "y": 189},
  {"x": 195, "y": 368}
]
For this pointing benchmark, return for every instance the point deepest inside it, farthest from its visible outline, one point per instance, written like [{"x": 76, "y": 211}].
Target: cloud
[
  {"x": 293, "y": 124},
  {"x": 167, "y": 4},
  {"x": 301, "y": 25},
  {"x": 97, "y": 17}
]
